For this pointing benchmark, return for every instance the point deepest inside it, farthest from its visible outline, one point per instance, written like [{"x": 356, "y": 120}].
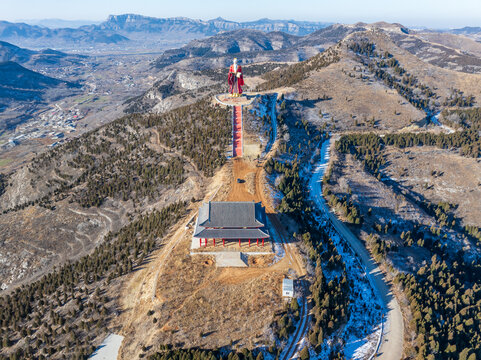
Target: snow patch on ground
[
  {"x": 435, "y": 120},
  {"x": 324, "y": 155},
  {"x": 279, "y": 251},
  {"x": 362, "y": 348},
  {"x": 302, "y": 344},
  {"x": 266, "y": 106},
  {"x": 109, "y": 349},
  {"x": 274, "y": 193},
  {"x": 361, "y": 333}
]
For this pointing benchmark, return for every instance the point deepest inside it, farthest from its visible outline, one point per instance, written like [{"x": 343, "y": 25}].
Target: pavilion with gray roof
[{"x": 231, "y": 220}]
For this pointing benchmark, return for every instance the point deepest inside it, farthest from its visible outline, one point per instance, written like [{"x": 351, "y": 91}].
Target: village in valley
[{"x": 52, "y": 124}]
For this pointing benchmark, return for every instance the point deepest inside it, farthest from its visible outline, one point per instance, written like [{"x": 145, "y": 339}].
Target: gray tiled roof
[
  {"x": 231, "y": 214},
  {"x": 231, "y": 234},
  {"x": 231, "y": 220},
  {"x": 288, "y": 285}
]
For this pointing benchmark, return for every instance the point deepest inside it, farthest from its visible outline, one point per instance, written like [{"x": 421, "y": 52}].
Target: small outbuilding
[{"x": 288, "y": 288}]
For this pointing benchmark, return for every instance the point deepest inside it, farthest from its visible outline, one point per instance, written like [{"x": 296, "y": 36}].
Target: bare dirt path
[
  {"x": 141, "y": 291},
  {"x": 240, "y": 192},
  {"x": 292, "y": 259}
]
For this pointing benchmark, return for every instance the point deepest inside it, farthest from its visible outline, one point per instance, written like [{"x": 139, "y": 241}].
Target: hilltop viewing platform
[{"x": 228, "y": 100}]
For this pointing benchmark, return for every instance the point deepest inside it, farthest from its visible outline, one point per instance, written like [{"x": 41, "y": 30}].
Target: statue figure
[{"x": 235, "y": 79}]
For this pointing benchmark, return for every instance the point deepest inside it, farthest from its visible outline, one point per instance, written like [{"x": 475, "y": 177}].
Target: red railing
[{"x": 237, "y": 131}]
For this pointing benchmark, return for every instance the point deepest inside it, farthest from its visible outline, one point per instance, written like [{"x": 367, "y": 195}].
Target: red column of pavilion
[{"x": 223, "y": 242}]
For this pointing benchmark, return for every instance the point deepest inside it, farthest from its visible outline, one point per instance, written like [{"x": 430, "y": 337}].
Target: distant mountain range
[
  {"x": 138, "y": 32},
  {"x": 34, "y": 36},
  {"x": 250, "y": 44},
  {"x": 10, "y": 52},
  {"x": 231, "y": 42},
  {"x": 471, "y": 32},
  {"x": 139, "y": 23},
  {"x": 145, "y": 32},
  {"x": 58, "y": 23},
  {"x": 466, "y": 30}
]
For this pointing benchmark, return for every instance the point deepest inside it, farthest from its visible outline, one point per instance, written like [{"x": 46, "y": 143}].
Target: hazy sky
[{"x": 431, "y": 13}]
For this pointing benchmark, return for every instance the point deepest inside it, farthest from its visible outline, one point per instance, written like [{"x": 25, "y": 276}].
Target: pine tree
[{"x": 304, "y": 354}]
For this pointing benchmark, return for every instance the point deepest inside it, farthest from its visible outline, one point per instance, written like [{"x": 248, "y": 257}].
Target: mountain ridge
[
  {"x": 10, "y": 52},
  {"x": 132, "y": 22},
  {"x": 16, "y": 76},
  {"x": 20, "y": 86},
  {"x": 132, "y": 29}
]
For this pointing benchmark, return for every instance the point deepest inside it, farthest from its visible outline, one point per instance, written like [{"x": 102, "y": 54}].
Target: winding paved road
[
  {"x": 391, "y": 346},
  {"x": 295, "y": 341}
]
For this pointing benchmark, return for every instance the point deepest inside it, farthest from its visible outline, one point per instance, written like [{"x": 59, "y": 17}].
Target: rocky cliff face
[{"x": 133, "y": 22}]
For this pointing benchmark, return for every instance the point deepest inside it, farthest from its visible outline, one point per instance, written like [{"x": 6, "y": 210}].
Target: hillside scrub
[
  {"x": 293, "y": 74},
  {"x": 385, "y": 67},
  {"x": 61, "y": 315},
  {"x": 443, "y": 294},
  {"x": 120, "y": 161},
  {"x": 464, "y": 118}
]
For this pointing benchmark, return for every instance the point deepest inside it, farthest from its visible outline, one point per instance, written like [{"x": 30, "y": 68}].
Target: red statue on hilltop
[{"x": 235, "y": 79}]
